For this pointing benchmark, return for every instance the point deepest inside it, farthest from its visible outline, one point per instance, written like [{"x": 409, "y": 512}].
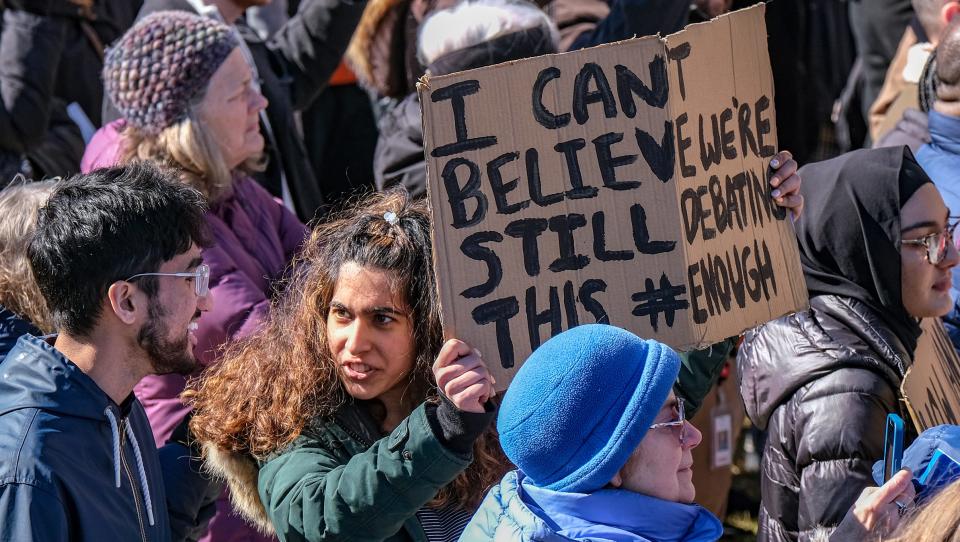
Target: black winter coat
[
  {"x": 821, "y": 382},
  {"x": 398, "y": 158},
  {"x": 294, "y": 66},
  {"x": 50, "y": 57}
]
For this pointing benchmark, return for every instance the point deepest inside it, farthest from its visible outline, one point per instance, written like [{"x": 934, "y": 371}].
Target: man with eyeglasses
[{"x": 116, "y": 255}]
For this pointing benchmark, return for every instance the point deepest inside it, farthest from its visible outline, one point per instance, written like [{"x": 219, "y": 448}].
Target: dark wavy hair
[{"x": 268, "y": 387}]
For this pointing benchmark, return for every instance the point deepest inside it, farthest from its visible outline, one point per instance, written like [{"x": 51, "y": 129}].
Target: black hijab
[{"x": 849, "y": 232}]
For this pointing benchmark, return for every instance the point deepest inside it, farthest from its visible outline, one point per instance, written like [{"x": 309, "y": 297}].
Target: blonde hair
[
  {"x": 190, "y": 148},
  {"x": 19, "y": 203},
  {"x": 936, "y": 521}
]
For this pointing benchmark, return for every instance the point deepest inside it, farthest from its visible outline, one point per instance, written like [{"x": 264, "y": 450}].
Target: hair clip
[{"x": 391, "y": 218}]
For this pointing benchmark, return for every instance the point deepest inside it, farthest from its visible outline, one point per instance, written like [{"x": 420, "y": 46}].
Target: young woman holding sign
[{"x": 347, "y": 414}]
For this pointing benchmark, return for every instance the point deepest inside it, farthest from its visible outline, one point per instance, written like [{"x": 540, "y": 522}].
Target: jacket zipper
[
  {"x": 420, "y": 534},
  {"x": 363, "y": 442},
  {"x": 133, "y": 485}
]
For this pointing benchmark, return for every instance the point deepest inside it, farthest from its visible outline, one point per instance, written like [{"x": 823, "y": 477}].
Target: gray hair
[{"x": 19, "y": 203}]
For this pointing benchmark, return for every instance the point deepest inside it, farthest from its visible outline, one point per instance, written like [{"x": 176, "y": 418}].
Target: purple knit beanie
[{"x": 152, "y": 73}]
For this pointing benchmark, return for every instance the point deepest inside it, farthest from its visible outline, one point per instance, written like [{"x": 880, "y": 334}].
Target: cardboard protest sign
[
  {"x": 623, "y": 184},
  {"x": 932, "y": 384}
]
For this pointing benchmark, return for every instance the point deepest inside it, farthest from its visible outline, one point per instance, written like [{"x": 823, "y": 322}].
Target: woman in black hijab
[{"x": 877, "y": 250}]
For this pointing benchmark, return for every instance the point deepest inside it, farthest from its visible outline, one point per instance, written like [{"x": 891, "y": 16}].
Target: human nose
[
  {"x": 205, "y": 302},
  {"x": 952, "y": 256},
  {"x": 257, "y": 101},
  {"x": 357, "y": 337},
  {"x": 691, "y": 436}
]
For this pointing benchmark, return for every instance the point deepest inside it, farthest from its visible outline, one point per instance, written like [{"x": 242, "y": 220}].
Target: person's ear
[
  {"x": 123, "y": 302},
  {"x": 947, "y": 12}
]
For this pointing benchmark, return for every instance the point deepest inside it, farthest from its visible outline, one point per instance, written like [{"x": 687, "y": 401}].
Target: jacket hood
[
  {"x": 240, "y": 472},
  {"x": 44, "y": 378},
  {"x": 504, "y": 516},
  {"x": 780, "y": 357},
  {"x": 382, "y": 52},
  {"x": 12, "y": 327}
]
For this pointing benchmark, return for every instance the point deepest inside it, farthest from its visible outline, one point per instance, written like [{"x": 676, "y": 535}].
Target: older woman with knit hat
[
  {"x": 603, "y": 450},
  {"x": 182, "y": 85}
]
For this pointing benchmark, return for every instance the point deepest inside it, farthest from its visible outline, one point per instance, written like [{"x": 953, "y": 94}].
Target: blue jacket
[
  {"x": 941, "y": 160},
  {"x": 76, "y": 466},
  {"x": 519, "y": 512},
  {"x": 12, "y": 327}
]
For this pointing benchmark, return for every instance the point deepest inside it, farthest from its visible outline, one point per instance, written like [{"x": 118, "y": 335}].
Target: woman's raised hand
[
  {"x": 786, "y": 183},
  {"x": 463, "y": 377}
]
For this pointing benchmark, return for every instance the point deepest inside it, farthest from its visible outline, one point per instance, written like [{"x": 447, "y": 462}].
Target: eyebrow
[
  {"x": 195, "y": 262},
  {"x": 925, "y": 224},
  {"x": 372, "y": 310}
]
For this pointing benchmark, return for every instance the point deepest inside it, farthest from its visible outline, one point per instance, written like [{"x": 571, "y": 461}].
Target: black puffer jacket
[
  {"x": 50, "y": 57},
  {"x": 821, "y": 382}
]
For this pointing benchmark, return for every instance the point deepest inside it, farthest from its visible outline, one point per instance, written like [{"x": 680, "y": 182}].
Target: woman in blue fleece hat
[
  {"x": 603, "y": 451},
  {"x": 600, "y": 443}
]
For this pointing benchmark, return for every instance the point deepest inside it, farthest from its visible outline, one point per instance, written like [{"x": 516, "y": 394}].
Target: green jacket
[
  {"x": 699, "y": 371},
  {"x": 341, "y": 481}
]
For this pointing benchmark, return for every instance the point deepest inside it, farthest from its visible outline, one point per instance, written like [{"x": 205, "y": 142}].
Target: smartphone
[{"x": 892, "y": 446}]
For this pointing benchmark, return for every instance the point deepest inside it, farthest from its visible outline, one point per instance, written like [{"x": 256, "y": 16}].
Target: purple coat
[{"x": 254, "y": 239}]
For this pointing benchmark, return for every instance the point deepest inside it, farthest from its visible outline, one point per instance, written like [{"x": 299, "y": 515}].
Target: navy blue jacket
[
  {"x": 68, "y": 471},
  {"x": 12, "y": 327}
]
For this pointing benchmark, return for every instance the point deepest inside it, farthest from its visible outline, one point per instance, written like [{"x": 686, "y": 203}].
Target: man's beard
[{"x": 166, "y": 357}]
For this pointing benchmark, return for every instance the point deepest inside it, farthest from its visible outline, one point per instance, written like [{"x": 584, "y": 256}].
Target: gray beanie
[{"x": 152, "y": 73}]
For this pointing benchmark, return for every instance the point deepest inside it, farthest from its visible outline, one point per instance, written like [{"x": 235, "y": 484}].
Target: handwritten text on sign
[
  {"x": 932, "y": 385},
  {"x": 624, "y": 184}
]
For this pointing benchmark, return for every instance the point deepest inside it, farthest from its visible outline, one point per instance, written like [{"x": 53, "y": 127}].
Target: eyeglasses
[
  {"x": 201, "y": 278},
  {"x": 935, "y": 243},
  {"x": 680, "y": 422}
]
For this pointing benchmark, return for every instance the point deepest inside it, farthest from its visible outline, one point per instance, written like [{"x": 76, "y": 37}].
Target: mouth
[
  {"x": 944, "y": 284},
  {"x": 192, "y": 333},
  {"x": 357, "y": 370}
]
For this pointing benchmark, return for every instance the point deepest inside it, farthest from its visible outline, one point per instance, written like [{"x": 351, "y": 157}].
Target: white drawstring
[
  {"x": 145, "y": 488},
  {"x": 116, "y": 445}
]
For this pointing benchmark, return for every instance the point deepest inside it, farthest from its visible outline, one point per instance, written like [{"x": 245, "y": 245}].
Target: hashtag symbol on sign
[{"x": 653, "y": 301}]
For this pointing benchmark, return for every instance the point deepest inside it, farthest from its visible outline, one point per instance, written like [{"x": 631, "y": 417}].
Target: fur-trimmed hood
[
  {"x": 382, "y": 51},
  {"x": 240, "y": 472}
]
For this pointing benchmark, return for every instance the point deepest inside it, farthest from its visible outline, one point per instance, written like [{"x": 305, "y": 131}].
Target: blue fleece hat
[{"x": 581, "y": 404}]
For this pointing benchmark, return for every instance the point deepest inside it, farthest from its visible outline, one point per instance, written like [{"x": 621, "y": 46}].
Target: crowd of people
[{"x": 219, "y": 318}]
